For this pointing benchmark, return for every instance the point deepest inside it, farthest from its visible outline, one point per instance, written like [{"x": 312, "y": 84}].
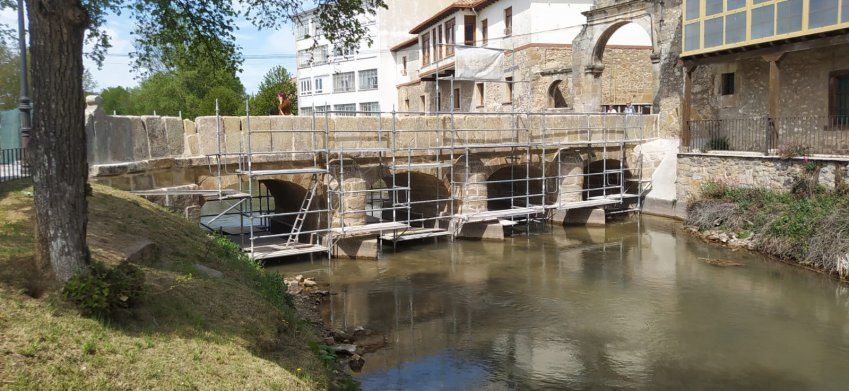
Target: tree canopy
[{"x": 277, "y": 79}]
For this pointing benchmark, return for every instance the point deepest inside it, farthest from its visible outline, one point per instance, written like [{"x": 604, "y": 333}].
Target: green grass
[
  {"x": 188, "y": 331},
  {"x": 806, "y": 228}
]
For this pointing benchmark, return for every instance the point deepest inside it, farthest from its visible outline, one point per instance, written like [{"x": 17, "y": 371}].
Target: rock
[
  {"x": 344, "y": 348},
  {"x": 371, "y": 343},
  {"x": 356, "y": 362},
  {"x": 329, "y": 341},
  {"x": 720, "y": 262},
  {"x": 142, "y": 251},
  {"x": 309, "y": 283},
  {"x": 299, "y": 278},
  {"x": 339, "y": 335},
  {"x": 207, "y": 271}
]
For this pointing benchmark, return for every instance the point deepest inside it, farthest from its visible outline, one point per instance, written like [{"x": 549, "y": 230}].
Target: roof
[
  {"x": 405, "y": 44},
  {"x": 456, "y": 6}
]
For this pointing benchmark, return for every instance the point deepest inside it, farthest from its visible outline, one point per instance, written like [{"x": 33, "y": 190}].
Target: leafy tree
[
  {"x": 58, "y": 31},
  {"x": 10, "y": 79},
  {"x": 276, "y": 80},
  {"x": 118, "y": 100}
]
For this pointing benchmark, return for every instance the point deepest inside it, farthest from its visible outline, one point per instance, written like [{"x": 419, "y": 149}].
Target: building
[
  {"x": 329, "y": 78},
  {"x": 766, "y": 76},
  {"x": 536, "y": 37}
]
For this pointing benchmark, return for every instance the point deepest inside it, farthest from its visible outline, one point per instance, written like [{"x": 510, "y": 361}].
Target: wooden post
[
  {"x": 773, "y": 98},
  {"x": 685, "y": 105}
]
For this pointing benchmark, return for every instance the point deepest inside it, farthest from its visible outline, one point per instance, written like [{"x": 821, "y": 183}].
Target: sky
[{"x": 262, "y": 50}]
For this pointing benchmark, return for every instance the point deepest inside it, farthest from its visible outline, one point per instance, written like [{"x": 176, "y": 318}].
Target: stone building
[
  {"x": 536, "y": 37},
  {"x": 760, "y": 83}
]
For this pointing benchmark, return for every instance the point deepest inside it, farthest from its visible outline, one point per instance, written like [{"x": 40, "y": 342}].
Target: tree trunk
[{"x": 57, "y": 149}]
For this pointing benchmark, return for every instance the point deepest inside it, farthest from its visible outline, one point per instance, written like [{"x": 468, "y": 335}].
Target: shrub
[
  {"x": 104, "y": 292},
  {"x": 719, "y": 143},
  {"x": 793, "y": 149},
  {"x": 713, "y": 190}
]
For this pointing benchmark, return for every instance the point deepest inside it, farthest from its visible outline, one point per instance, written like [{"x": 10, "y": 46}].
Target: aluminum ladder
[{"x": 302, "y": 214}]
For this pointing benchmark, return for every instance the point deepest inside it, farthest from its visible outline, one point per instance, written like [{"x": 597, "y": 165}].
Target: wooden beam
[
  {"x": 686, "y": 105},
  {"x": 781, "y": 49}
]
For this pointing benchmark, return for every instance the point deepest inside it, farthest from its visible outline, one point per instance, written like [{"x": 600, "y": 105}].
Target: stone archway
[
  {"x": 556, "y": 95},
  {"x": 588, "y": 47}
]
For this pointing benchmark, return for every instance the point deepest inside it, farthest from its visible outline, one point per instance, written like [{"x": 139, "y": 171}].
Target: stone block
[
  {"x": 586, "y": 216},
  {"x": 231, "y": 124},
  {"x": 120, "y": 142},
  {"x": 142, "y": 182},
  {"x": 155, "y": 128},
  {"x": 138, "y": 135},
  {"x": 356, "y": 248},
  {"x": 121, "y": 183},
  {"x": 175, "y": 135},
  {"x": 482, "y": 231},
  {"x": 192, "y": 145}
]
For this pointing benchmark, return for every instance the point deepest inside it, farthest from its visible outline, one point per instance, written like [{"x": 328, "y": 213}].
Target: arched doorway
[{"x": 627, "y": 73}]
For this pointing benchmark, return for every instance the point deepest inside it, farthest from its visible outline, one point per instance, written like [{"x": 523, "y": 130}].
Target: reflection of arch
[
  {"x": 288, "y": 197},
  {"x": 521, "y": 183},
  {"x": 603, "y": 177},
  {"x": 556, "y": 99},
  {"x": 429, "y": 197}
]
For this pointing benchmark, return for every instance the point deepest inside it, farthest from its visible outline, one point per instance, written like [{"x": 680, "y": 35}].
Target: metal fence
[
  {"x": 12, "y": 164},
  {"x": 827, "y": 135}
]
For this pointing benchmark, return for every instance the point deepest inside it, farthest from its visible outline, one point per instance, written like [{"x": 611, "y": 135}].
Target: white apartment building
[{"x": 365, "y": 80}]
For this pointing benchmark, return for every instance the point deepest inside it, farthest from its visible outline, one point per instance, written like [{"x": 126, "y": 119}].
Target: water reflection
[{"x": 629, "y": 307}]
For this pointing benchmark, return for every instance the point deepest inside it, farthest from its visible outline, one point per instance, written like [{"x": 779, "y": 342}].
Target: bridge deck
[
  {"x": 610, "y": 199},
  {"x": 209, "y": 195},
  {"x": 369, "y": 228},
  {"x": 281, "y": 250},
  {"x": 415, "y": 233},
  {"x": 291, "y": 171},
  {"x": 498, "y": 214}
]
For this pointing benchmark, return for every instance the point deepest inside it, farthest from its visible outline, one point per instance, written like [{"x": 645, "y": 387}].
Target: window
[
  {"x": 763, "y": 21},
  {"x": 302, "y": 29},
  {"x": 839, "y": 97},
  {"x": 735, "y": 4},
  {"x": 438, "y": 101},
  {"x": 484, "y": 32},
  {"x": 693, "y": 9},
  {"x": 508, "y": 97},
  {"x": 713, "y": 7},
  {"x": 726, "y": 86},
  {"x": 342, "y": 54},
  {"x": 508, "y": 21},
  {"x": 449, "y": 37},
  {"x": 343, "y": 82},
  {"x": 318, "y": 85},
  {"x": 735, "y": 27},
  {"x": 789, "y": 16},
  {"x": 304, "y": 58},
  {"x": 407, "y": 104},
  {"x": 368, "y": 79},
  {"x": 305, "y": 111},
  {"x": 425, "y": 49},
  {"x": 370, "y": 107},
  {"x": 306, "y": 87},
  {"x": 480, "y": 94},
  {"x": 404, "y": 66},
  {"x": 423, "y": 102},
  {"x": 438, "y": 43},
  {"x": 322, "y": 109},
  {"x": 691, "y": 36},
  {"x": 822, "y": 13},
  {"x": 319, "y": 55},
  {"x": 555, "y": 95},
  {"x": 469, "y": 25},
  {"x": 456, "y": 99},
  {"x": 713, "y": 32},
  {"x": 346, "y": 110}
]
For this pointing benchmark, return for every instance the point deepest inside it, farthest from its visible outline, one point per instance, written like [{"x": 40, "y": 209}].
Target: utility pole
[{"x": 25, "y": 103}]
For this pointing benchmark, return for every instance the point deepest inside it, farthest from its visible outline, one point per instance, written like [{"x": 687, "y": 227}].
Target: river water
[{"x": 631, "y": 306}]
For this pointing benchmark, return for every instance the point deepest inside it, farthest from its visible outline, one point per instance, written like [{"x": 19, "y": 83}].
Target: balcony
[
  {"x": 784, "y": 136},
  {"x": 719, "y": 25}
]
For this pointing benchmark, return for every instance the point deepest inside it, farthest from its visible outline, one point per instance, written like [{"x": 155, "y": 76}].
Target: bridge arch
[
  {"x": 603, "y": 20},
  {"x": 514, "y": 185},
  {"x": 604, "y": 176},
  {"x": 288, "y": 197},
  {"x": 429, "y": 198}
]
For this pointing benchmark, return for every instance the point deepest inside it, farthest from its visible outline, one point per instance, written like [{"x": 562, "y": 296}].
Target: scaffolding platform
[
  {"x": 416, "y": 233},
  {"x": 291, "y": 171},
  {"x": 281, "y": 250},
  {"x": 209, "y": 195},
  {"x": 498, "y": 214},
  {"x": 402, "y": 166},
  {"x": 369, "y": 228}
]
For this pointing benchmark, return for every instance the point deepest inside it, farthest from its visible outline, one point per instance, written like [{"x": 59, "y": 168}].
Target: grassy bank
[
  {"x": 189, "y": 330},
  {"x": 808, "y": 226}
]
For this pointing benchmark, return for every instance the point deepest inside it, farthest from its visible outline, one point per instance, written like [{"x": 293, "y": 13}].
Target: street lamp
[{"x": 25, "y": 106}]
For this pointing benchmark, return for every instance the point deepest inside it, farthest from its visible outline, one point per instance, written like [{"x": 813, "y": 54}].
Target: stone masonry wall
[
  {"x": 627, "y": 76},
  {"x": 751, "y": 171}
]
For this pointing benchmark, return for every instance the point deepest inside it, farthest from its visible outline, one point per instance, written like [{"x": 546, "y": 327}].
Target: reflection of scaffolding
[{"x": 533, "y": 150}]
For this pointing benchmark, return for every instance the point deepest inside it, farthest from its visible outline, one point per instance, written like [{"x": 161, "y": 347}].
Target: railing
[
  {"x": 827, "y": 135},
  {"x": 12, "y": 164}
]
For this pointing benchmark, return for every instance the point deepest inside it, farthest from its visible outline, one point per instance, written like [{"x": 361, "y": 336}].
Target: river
[{"x": 630, "y": 306}]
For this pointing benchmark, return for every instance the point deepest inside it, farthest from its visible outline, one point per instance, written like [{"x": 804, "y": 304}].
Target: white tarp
[{"x": 474, "y": 63}]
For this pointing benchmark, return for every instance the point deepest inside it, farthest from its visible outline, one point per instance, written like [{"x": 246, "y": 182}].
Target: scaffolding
[{"x": 528, "y": 177}]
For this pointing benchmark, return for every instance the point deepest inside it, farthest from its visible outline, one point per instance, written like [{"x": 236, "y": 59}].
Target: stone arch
[
  {"x": 588, "y": 47},
  {"x": 288, "y": 197},
  {"x": 598, "y": 177},
  {"x": 523, "y": 183},
  {"x": 429, "y": 197},
  {"x": 556, "y": 96}
]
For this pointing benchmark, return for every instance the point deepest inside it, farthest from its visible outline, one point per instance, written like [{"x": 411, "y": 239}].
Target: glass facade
[{"x": 712, "y": 25}]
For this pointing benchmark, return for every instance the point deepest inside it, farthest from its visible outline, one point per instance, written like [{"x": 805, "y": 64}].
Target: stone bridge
[{"x": 447, "y": 165}]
